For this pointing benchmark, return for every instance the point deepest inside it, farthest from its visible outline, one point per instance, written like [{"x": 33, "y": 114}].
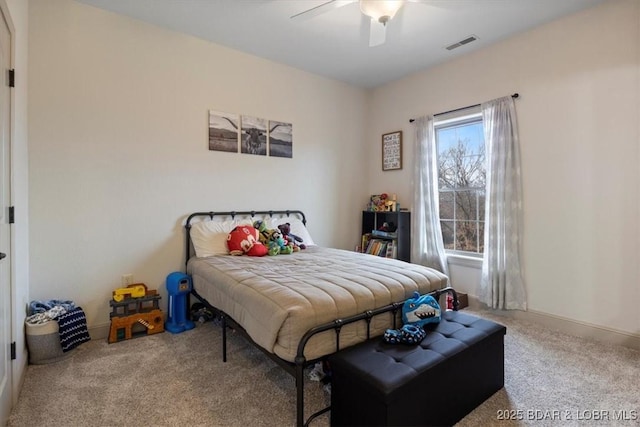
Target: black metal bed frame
[{"x": 296, "y": 369}]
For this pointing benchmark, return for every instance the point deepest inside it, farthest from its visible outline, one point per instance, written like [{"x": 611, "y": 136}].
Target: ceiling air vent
[{"x": 462, "y": 42}]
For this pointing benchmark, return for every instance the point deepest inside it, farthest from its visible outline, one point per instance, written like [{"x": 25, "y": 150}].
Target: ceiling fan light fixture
[{"x": 381, "y": 10}]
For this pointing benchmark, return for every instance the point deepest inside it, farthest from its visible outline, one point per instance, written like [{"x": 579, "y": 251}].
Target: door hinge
[
  {"x": 12, "y": 214},
  {"x": 13, "y": 350},
  {"x": 12, "y": 78}
]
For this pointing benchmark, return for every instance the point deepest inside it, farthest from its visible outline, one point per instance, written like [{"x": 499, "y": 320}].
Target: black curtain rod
[{"x": 514, "y": 96}]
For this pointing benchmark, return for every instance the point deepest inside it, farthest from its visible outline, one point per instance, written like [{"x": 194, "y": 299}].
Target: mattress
[{"x": 277, "y": 299}]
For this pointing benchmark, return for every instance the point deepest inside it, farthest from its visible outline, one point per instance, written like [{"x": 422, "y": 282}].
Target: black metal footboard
[{"x": 297, "y": 369}]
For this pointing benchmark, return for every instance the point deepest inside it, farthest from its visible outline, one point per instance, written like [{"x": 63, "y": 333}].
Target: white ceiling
[{"x": 335, "y": 44}]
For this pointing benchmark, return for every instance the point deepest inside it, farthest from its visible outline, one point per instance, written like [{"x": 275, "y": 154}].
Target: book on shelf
[
  {"x": 364, "y": 244},
  {"x": 391, "y": 250},
  {"x": 380, "y": 247},
  {"x": 374, "y": 246}
]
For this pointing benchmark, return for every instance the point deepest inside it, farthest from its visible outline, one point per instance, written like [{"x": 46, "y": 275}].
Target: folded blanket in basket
[
  {"x": 73, "y": 329},
  {"x": 42, "y": 306},
  {"x": 46, "y": 316},
  {"x": 45, "y": 311}
]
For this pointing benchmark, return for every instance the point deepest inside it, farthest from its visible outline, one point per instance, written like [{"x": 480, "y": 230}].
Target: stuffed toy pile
[
  {"x": 258, "y": 240},
  {"x": 272, "y": 239}
]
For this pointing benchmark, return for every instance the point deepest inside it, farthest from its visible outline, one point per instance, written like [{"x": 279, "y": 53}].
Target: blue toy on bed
[{"x": 416, "y": 312}]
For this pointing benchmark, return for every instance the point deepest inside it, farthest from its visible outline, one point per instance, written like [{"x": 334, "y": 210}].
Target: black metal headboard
[{"x": 232, "y": 214}]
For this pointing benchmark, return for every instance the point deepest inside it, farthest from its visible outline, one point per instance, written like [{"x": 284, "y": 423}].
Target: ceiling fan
[{"x": 380, "y": 12}]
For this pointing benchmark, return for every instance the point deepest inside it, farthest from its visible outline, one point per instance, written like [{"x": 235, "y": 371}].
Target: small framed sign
[{"x": 392, "y": 151}]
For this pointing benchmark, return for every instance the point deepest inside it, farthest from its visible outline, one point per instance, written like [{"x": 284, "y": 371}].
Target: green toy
[{"x": 273, "y": 239}]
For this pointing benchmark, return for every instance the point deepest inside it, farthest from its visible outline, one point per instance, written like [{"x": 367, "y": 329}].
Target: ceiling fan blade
[
  {"x": 446, "y": 4},
  {"x": 377, "y": 33},
  {"x": 321, "y": 9}
]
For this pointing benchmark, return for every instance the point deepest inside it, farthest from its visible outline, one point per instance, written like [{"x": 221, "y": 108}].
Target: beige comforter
[{"x": 277, "y": 299}]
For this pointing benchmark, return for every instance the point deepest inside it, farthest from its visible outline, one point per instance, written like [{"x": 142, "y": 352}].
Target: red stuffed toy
[{"x": 244, "y": 239}]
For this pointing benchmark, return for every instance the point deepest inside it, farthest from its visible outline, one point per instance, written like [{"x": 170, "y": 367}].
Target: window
[{"x": 461, "y": 182}]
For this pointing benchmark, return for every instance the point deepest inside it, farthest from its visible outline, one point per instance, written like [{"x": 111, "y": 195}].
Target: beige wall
[
  {"x": 578, "y": 114},
  {"x": 119, "y": 154}
]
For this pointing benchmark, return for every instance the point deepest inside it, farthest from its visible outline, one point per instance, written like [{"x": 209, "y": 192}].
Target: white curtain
[
  {"x": 427, "y": 248},
  {"x": 502, "y": 283}
]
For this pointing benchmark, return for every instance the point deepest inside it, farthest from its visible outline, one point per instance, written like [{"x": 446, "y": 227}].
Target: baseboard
[
  {"x": 567, "y": 326},
  {"x": 100, "y": 332}
]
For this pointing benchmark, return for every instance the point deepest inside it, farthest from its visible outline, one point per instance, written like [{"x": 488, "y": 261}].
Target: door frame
[{"x": 14, "y": 384}]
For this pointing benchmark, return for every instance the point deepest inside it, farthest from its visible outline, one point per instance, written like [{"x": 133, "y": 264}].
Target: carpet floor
[{"x": 551, "y": 379}]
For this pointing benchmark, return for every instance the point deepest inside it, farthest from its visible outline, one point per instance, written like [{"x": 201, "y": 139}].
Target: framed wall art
[
  {"x": 241, "y": 133},
  {"x": 254, "y": 135},
  {"x": 224, "y": 134},
  {"x": 392, "y": 151},
  {"x": 280, "y": 139}
]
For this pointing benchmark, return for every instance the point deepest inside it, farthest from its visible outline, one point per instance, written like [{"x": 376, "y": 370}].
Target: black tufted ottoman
[{"x": 453, "y": 370}]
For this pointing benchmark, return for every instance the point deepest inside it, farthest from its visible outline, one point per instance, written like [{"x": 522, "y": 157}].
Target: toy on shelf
[
  {"x": 383, "y": 203},
  {"x": 135, "y": 312}
]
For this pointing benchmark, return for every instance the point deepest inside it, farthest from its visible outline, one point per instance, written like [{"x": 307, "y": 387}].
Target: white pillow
[
  {"x": 210, "y": 237},
  {"x": 297, "y": 228}
]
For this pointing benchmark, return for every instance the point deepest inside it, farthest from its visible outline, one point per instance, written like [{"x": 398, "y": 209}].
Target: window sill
[{"x": 464, "y": 260}]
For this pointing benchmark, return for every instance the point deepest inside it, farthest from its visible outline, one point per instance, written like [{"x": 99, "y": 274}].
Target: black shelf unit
[{"x": 373, "y": 220}]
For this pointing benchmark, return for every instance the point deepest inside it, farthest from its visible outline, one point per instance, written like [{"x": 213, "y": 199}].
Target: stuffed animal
[
  {"x": 420, "y": 310},
  {"x": 408, "y": 334},
  {"x": 272, "y": 239},
  {"x": 416, "y": 312},
  {"x": 262, "y": 229},
  {"x": 292, "y": 239},
  {"x": 245, "y": 239},
  {"x": 277, "y": 241}
]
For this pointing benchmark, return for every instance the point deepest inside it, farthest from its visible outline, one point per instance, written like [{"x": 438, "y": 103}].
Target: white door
[{"x": 5, "y": 230}]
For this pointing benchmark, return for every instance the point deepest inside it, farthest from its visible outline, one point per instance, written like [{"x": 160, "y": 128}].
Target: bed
[{"x": 302, "y": 307}]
